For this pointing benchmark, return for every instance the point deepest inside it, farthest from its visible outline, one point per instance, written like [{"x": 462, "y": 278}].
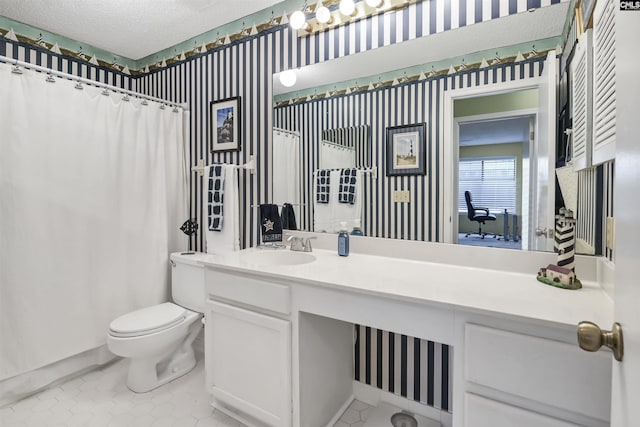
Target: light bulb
[
  {"x": 288, "y": 78},
  {"x": 347, "y": 7},
  {"x": 297, "y": 20},
  {"x": 374, "y": 3},
  {"x": 323, "y": 15}
]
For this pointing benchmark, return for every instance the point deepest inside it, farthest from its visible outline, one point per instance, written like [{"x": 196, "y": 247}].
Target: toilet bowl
[{"x": 158, "y": 340}]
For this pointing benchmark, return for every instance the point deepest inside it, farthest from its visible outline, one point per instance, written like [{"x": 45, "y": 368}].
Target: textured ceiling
[
  {"x": 494, "y": 131},
  {"x": 130, "y": 28}
]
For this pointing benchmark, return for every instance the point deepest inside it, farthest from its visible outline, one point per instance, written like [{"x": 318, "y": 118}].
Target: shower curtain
[
  {"x": 333, "y": 156},
  {"x": 92, "y": 193},
  {"x": 286, "y": 170}
]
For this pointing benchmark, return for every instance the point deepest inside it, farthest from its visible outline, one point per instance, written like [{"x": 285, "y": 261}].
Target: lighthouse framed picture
[
  {"x": 225, "y": 124},
  {"x": 406, "y": 150}
]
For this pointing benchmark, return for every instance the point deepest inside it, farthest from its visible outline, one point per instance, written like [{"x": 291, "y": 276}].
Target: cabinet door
[{"x": 248, "y": 362}]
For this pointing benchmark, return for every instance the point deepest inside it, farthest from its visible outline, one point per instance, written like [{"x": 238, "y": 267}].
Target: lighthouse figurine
[{"x": 562, "y": 274}]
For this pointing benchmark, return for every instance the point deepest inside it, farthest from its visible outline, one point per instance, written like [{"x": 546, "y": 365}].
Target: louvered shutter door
[
  {"x": 604, "y": 85},
  {"x": 581, "y": 102}
]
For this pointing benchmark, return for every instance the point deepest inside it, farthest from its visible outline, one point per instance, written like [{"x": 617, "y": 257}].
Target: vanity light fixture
[
  {"x": 297, "y": 20},
  {"x": 323, "y": 14},
  {"x": 347, "y": 7},
  {"x": 374, "y": 3},
  {"x": 288, "y": 78}
]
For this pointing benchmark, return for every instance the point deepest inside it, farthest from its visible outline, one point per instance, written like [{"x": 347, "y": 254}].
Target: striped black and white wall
[
  {"x": 413, "y": 368},
  {"x": 74, "y": 66}
]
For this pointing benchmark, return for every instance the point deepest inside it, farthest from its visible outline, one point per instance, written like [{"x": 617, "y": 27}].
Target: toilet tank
[{"x": 187, "y": 281}]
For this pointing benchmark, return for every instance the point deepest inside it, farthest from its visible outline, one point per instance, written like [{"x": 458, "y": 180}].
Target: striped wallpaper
[
  {"x": 417, "y": 369},
  {"x": 73, "y": 66}
]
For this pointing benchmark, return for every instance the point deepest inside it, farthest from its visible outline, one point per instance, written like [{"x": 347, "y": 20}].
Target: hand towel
[
  {"x": 228, "y": 238},
  {"x": 215, "y": 197},
  {"x": 323, "y": 185},
  {"x": 270, "y": 223},
  {"x": 288, "y": 217},
  {"x": 347, "y": 190},
  {"x": 346, "y": 212},
  {"x": 322, "y": 212}
]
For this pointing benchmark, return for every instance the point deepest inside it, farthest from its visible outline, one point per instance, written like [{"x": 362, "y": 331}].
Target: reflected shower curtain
[
  {"x": 286, "y": 170},
  {"x": 333, "y": 156},
  {"x": 92, "y": 192}
]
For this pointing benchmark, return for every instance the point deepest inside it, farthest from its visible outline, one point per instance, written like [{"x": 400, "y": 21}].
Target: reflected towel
[
  {"x": 347, "y": 192},
  {"x": 270, "y": 223},
  {"x": 288, "y": 217},
  {"x": 346, "y": 212},
  {"x": 321, "y": 211},
  {"x": 228, "y": 238},
  {"x": 323, "y": 185}
]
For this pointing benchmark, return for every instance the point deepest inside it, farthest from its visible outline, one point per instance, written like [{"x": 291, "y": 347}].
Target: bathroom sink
[{"x": 277, "y": 257}]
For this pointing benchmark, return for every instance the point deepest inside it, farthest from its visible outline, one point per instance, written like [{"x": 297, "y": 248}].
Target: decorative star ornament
[{"x": 268, "y": 225}]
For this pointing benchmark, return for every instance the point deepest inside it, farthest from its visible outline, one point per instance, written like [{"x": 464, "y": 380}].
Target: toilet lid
[{"x": 148, "y": 320}]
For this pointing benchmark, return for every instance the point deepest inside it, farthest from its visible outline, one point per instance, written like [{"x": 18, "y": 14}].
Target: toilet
[{"x": 158, "y": 340}]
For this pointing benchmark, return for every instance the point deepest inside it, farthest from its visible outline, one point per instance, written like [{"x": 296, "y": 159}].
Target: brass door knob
[{"x": 591, "y": 338}]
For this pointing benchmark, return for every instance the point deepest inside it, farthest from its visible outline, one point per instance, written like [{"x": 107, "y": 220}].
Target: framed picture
[
  {"x": 225, "y": 124},
  {"x": 406, "y": 150}
]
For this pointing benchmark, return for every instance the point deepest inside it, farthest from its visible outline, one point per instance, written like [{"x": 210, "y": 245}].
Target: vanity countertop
[{"x": 472, "y": 289}]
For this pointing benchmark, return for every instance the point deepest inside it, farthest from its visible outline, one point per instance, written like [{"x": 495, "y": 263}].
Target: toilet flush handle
[{"x": 173, "y": 263}]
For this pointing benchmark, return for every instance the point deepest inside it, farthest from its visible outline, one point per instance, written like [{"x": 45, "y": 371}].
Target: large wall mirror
[{"x": 492, "y": 151}]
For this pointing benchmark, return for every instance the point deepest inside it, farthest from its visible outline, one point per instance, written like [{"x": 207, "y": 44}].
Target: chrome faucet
[{"x": 300, "y": 244}]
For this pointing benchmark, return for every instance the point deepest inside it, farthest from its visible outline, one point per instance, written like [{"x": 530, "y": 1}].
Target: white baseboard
[{"x": 341, "y": 411}]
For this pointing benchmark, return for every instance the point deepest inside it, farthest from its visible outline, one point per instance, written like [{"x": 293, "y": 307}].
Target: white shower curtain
[
  {"x": 286, "y": 170},
  {"x": 92, "y": 192},
  {"x": 333, "y": 156}
]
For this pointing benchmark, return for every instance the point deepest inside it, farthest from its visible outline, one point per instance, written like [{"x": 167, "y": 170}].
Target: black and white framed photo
[
  {"x": 225, "y": 124},
  {"x": 406, "y": 150}
]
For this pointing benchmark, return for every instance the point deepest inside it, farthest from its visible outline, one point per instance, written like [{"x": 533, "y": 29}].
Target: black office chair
[{"x": 480, "y": 215}]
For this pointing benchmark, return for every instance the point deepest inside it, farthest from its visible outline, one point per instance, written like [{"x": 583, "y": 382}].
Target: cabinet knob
[{"x": 591, "y": 338}]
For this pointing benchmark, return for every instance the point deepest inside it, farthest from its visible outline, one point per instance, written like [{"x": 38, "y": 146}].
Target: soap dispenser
[
  {"x": 343, "y": 240},
  {"x": 357, "y": 231}
]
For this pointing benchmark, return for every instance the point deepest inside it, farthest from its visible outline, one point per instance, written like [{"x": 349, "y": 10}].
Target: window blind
[{"x": 491, "y": 182}]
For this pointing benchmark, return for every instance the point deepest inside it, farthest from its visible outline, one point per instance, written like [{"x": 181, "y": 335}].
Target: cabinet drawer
[
  {"x": 246, "y": 290},
  {"x": 482, "y": 412},
  {"x": 550, "y": 372}
]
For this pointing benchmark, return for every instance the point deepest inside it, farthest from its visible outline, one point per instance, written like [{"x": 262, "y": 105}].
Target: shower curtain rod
[
  {"x": 291, "y": 132},
  {"x": 71, "y": 77},
  {"x": 335, "y": 144}
]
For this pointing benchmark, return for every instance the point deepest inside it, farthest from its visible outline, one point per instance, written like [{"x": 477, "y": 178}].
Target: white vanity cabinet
[
  {"x": 248, "y": 348},
  {"x": 280, "y": 344},
  {"x": 524, "y": 374}
]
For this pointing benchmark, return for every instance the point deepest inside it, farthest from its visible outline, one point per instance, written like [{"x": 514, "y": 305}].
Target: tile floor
[
  {"x": 355, "y": 415},
  {"x": 101, "y": 399}
]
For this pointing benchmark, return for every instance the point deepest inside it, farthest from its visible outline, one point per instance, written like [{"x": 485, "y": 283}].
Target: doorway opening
[{"x": 493, "y": 152}]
